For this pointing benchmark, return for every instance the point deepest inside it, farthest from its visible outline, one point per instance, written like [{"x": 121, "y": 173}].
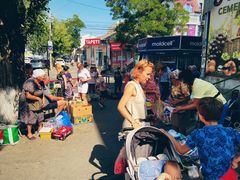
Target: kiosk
[{"x": 173, "y": 51}]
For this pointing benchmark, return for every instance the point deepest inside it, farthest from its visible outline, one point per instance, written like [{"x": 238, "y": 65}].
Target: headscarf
[{"x": 38, "y": 73}]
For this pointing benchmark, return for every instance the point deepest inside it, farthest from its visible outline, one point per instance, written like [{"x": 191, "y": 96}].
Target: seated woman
[
  {"x": 31, "y": 102},
  {"x": 51, "y": 101}
]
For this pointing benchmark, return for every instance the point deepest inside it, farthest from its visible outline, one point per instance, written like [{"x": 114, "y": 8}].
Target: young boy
[{"x": 216, "y": 144}]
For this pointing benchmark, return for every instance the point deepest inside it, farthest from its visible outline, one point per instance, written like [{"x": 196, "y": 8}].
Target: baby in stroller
[
  {"x": 171, "y": 170},
  {"x": 150, "y": 153}
]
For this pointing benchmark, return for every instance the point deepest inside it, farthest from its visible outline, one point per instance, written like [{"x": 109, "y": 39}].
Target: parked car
[
  {"x": 40, "y": 63},
  {"x": 60, "y": 61},
  {"x": 67, "y": 58}
]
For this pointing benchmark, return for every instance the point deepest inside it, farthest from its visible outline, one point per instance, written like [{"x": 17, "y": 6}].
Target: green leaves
[
  {"x": 148, "y": 17},
  {"x": 74, "y": 26},
  {"x": 62, "y": 39}
]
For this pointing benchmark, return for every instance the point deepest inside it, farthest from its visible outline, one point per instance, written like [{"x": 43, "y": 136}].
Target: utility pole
[{"x": 50, "y": 44}]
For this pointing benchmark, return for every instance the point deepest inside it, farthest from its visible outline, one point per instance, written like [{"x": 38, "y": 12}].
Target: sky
[{"x": 93, "y": 13}]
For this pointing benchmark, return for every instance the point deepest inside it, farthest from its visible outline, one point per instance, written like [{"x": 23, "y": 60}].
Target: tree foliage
[
  {"x": 74, "y": 26},
  {"x": 146, "y": 18},
  {"x": 37, "y": 40},
  {"x": 66, "y": 35},
  {"x": 62, "y": 39},
  {"x": 17, "y": 21}
]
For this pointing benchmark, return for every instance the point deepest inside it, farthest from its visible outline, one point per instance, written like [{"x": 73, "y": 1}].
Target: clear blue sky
[{"x": 93, "y": 13}]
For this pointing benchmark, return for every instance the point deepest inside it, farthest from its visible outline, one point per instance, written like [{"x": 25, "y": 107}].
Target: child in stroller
[{"x": 147, "y": 150}]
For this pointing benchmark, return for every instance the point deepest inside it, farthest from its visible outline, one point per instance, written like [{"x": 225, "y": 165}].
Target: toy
[{"x": 62, "y": 133}]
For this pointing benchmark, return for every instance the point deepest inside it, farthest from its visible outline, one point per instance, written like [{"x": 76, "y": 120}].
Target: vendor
[
  {"x": 180, "y": 95},
  {"x": 31, "y": 102},
  {"x": 199, "y": 89}
]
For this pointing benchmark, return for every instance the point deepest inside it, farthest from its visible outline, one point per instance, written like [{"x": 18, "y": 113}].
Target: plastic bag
[
  {"x": 63, "y": 119},
  {"x": 121, "y": 162}
]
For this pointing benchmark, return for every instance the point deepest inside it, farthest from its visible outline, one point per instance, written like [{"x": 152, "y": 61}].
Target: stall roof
[{"x": 170, "y": 43}]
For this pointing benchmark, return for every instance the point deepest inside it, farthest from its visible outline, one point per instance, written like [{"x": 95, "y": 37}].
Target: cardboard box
[
  {"x": 80, "y": 109},
  {"x": 46, "y": 133},
  {"x": 77, "y": 120}
]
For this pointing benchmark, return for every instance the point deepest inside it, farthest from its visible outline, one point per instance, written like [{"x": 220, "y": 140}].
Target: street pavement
[{"x": 89, "y": 153}]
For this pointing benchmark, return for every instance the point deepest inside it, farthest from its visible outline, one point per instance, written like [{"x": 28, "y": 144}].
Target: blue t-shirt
[{"x": 217, "y": 146}]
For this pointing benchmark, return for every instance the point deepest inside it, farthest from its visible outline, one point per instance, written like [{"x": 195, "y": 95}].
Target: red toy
[{"x": 62, "y": 133}]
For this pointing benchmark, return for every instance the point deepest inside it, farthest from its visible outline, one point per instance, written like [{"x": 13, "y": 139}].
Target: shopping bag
[
  {"x": 1, "y": 135},
  {"x": 10, "y": 135},
  {"x": 121, "y": 162},
  {"x": 167, "y": 113},
  {"x": 63, "y": 119}
]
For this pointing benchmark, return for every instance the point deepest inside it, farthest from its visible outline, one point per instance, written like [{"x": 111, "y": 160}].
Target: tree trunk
[{"x": 12, "y": 44}]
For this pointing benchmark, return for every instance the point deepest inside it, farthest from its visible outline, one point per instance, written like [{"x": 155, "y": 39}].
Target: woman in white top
[
  {"x": 83, "y": 76},
  {"x": 132, "y": 105}
]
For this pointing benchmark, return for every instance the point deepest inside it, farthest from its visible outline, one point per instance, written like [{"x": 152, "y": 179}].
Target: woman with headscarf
[{"x": 31, "y": 102}]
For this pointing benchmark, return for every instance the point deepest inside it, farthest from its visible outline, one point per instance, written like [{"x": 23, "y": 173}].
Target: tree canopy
[
  {"x": 62, "y": 39},
  {"x": 146, "y": 18},
  {"x": 74, "y": 26},
  {"x": 17, "y": 21},
  {"x": 65, "y": 35}
]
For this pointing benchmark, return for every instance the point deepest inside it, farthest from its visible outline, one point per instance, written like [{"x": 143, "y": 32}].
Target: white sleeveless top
[{"x": 136, "y": 106}]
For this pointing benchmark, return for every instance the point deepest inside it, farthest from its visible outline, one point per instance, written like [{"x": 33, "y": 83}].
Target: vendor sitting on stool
[{"x": 51, "y": 101}]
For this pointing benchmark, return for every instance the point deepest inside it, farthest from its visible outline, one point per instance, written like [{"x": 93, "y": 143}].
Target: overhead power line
[{"x": 87, "y": 5}]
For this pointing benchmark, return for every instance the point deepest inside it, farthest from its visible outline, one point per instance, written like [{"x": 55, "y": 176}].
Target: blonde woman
[
  {"x": 61, "y": 79},
  {"x": 83, "y": 76},
  {"x": 132, "y": 105}
]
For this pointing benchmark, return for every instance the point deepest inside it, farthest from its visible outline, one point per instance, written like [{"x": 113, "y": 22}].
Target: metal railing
[{"x": 237, "y": 75}]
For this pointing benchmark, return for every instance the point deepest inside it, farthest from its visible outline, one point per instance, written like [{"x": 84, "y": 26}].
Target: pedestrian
[
  {"x": 102, "y": 87},
  {"x": 92, "y": 81},
  {"x": 51, "y": 101},
  {"x": 132, "y": 105},
  {"x": 216, "y": 144},
  {"x": 198, "y": 89},
  {"x": 83, "y": 76},
  {"x": 117, "y": 81},
  {"x": 164, "y": 82},
  {"x": 31, "y": 102},
  {"x": 69, "y": 87},
  {"x": 180, "y": 95},
  {"x": 28, "y": 70},
  {"x": 194, "y": 70},
  {"x": 127, "y": 77},
  {"x": 61, "y": 80}
]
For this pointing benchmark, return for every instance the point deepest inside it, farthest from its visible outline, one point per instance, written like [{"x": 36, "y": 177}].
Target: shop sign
[
  {"x": 191, "y": 30},
  {"x": 116, "y": 46},
  {"x": 93, "y": 42},
  {"x": 191, "y": 43},
  {"x": 223, "y": 53}
]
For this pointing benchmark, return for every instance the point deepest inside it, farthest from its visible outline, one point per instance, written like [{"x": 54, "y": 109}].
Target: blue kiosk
[{"x": 173, "y": 51}]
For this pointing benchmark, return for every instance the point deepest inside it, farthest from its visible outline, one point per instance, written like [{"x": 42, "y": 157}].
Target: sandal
[{"x": 31, "y": 138}]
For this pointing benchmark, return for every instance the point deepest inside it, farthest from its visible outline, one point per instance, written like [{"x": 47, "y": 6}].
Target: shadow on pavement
[{"x": 109, "y": 122}]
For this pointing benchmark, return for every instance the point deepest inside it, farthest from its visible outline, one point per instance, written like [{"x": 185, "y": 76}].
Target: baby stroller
[{"x": 151, "y": 144}]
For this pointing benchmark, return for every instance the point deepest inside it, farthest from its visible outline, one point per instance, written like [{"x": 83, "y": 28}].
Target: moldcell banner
[{"x": 223, "y": 54}]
